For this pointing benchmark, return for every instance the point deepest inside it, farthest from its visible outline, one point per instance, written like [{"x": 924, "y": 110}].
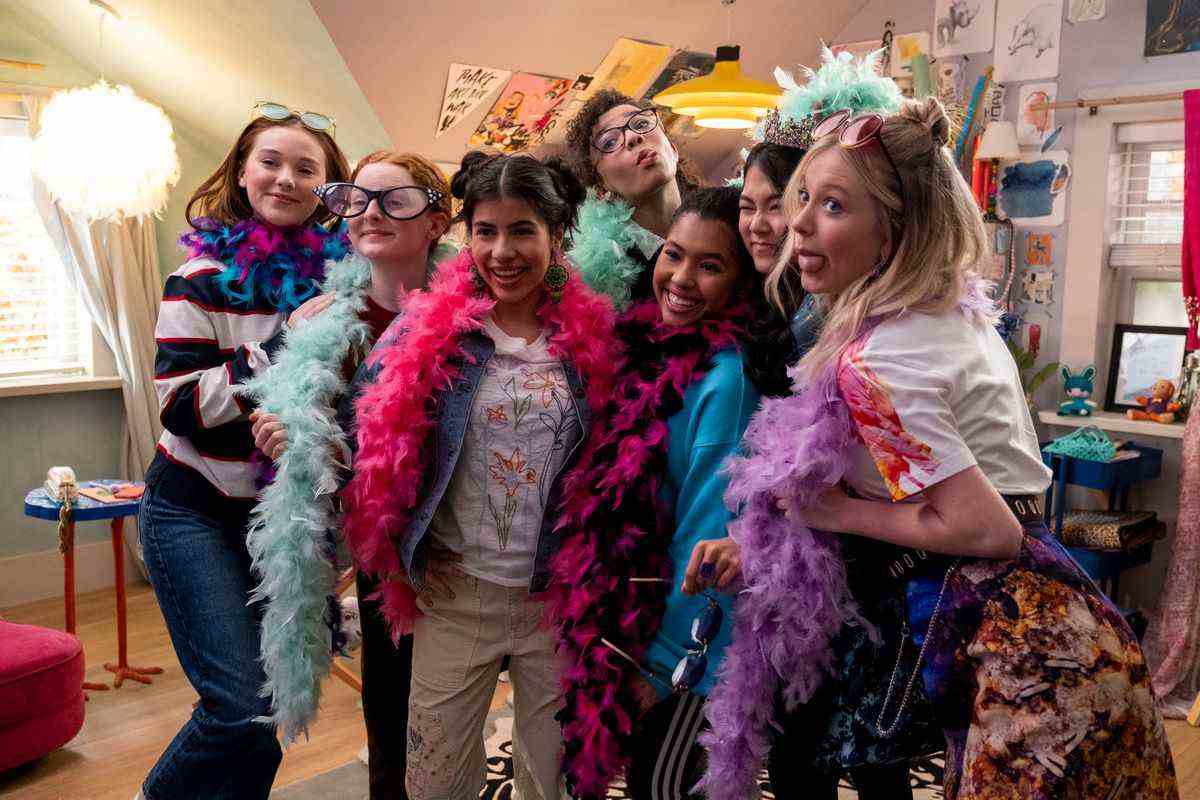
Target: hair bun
[
  {"x": 932, "y": 114},
  {"x": 566, "y": 181},
  {"x": 471, "y": 163}
]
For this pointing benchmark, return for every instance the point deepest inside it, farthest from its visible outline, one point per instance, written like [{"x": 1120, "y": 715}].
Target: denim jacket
[{"x": 452, "y": 412}]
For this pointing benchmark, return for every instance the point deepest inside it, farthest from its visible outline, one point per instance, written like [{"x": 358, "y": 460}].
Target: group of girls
[{"x": 729, "y": 478}]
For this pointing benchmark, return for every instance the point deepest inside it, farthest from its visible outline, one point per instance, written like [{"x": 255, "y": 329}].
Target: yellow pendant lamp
[{"x": 724, "y": 98}]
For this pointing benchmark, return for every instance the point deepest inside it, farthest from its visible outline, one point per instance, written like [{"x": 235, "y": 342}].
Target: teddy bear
[{"x": 1158, "y": 406}]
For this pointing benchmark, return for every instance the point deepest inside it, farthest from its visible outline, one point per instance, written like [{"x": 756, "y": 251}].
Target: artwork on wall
[
  {"x": 1034, "y": 124},
  {"x": 1172, "y": 26},
  {"x": 683, "y": 66},
  {"x": 1142, "y": 355},
  {"x": 993, "y": 103},
  {"x": 1033, "y": 188},
  {"x": 1028, "y": 34},
  {"x": 1086, "y": 11},
  {"x": 629, "y": 67},
  {"x": 859, "y": 50},
  {"x": 567, "y": 109},
  {"x": 905, "y": 47},
  {"x": 1039, "y": 249},
  {"x": 466, "y": 87},
  {"x": 963, "y": 26},
  {"x": 522, "y": 114},
  {"x": 951, "y": 80},
  {"x": 1037, "y": 288}
]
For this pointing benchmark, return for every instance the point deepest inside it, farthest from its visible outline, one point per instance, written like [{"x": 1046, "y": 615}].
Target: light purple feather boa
[{"x": 796, "y": 597}]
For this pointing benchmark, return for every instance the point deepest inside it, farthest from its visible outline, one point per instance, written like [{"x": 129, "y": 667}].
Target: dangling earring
[
  {"x": 556, "y": 278},
  {"x": 476, "y": 278}
]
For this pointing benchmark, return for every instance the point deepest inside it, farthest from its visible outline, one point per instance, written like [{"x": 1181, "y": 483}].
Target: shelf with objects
[{"x": 1108, "y": 541}]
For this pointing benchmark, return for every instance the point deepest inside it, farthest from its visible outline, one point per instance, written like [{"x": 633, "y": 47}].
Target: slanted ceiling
[{"x": 379, "y": 66}]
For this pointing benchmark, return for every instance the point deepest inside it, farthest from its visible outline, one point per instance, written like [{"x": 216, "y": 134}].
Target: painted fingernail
[{"x": 707, "y": 569}]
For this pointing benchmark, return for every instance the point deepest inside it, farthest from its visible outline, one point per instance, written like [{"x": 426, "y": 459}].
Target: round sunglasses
[
  {"x": 278, "y": 112},
  {"x": 854, "y": 132},
  {"x": 399, "y": 202}
]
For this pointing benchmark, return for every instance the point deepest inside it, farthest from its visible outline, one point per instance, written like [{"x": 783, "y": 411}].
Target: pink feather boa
[{"x": 394, "y": 419}]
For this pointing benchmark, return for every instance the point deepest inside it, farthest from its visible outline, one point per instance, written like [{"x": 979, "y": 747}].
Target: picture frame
[{"x": 1141, "y": 355}]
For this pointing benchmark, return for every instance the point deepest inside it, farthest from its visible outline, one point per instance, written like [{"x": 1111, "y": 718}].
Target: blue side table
[
  {"x": 40, "y": 506},
  {"x": 1114, "y": 477}
]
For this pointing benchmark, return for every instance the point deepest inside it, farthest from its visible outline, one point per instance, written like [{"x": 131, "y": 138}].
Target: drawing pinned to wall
[
  {"x": 522, "y": 114},
  {"x": 629, "y": 67},
  {"x": 906, "y": 47},
  {"x": 993, "y": 107},
  {"x": 1086, "y": 11},
  {"x": 1035, "y": 120},
  {"x": 1033, "y": 189},
  {"x": 951, "y": 80},
  {"x": 1028, "y": 34},
  {"x": 1038, "y": 288},
  {"x": 1172, "y": 26},
  {"x": 466, "y": 87},
  {"x": 963, "y": 26},
  {"x": 1039, "y": 249}
]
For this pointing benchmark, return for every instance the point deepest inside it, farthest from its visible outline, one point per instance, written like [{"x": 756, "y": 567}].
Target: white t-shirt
[
  {"x": 931, "y": 396},
  {"x": 523, "y": 425}
]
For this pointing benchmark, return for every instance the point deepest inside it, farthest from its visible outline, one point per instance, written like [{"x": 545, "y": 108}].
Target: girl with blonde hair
[{"x": 910, "y": 452}]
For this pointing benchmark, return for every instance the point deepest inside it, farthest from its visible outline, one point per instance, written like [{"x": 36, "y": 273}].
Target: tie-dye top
[{"x": 932, "y": 395}]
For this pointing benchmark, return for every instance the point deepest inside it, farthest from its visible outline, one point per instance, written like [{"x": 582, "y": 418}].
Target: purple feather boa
[{"x": 796, "y": 597}]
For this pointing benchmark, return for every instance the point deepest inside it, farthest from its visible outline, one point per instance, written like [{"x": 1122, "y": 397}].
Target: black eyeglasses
[
  {"x": 691, "y": 668},
  {"x": 610, "y": 140},
  {"x": 400, "y": 202}
]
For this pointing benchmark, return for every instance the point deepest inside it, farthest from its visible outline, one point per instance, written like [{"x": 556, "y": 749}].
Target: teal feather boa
[
  {"x": 289, "y": 537},
  {"x": 600, "y": 247}
]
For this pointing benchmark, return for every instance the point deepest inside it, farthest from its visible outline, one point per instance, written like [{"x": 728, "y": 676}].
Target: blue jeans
[{"x": 194, "y": 542}]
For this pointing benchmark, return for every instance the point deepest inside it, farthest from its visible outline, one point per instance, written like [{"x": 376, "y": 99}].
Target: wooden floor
[{"x": 126, "y": 729}]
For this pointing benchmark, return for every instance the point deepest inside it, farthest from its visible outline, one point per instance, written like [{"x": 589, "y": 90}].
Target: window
[
  {"x": 43, "y": 326},
  {"x": 1146, "y": 223}
]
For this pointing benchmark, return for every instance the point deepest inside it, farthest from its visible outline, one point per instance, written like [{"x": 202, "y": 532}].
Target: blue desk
[{"x": 40, "y": 506}]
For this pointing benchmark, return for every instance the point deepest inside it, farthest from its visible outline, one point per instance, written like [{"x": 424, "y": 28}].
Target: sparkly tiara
[{"x": 787, "y": 132}]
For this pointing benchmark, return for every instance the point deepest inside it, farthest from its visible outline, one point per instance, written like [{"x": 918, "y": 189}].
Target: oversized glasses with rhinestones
[
  {"x": 855, "y": 132},
  {"x": 610, "y": 140},
  {"x": 400, "y": 202}
]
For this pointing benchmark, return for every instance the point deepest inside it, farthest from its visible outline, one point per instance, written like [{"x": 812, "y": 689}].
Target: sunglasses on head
[
  {"x": 278, "y": 112},
  {"x": 399, "y": 202},
  {"x": 855, "y": 132},
  {"x": 691, "y": 668}
]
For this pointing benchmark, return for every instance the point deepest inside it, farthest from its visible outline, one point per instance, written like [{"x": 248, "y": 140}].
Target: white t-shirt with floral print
[{"x": 523, "y": 425}]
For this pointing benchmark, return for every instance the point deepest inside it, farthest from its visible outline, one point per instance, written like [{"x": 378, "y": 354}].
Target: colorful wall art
[
  {"x": 683, "y": 66},
  {"x": 522, "y": 114},
  {"x": 1172, "y": 26},
  {"x": 1034, "y": 121},
  {"x": 629, "y": 67},
  {"x": 1028, "y": 35},
  {"x": 906, "y": 47},
  {"x": 1033, "y": 189},
  {"x": 963, "y": 26}
]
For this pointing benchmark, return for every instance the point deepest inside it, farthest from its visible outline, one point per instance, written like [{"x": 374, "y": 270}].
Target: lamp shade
[
  {"x": 999, "y": 141},
  {"x": 724, "y": 98},
  {"x": 104, "y": 153}
]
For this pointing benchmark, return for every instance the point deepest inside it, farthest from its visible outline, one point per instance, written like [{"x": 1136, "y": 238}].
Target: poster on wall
[
  {"x": 466, "y": 87},
  {"x": 1035, "y": 121},
  {"x": 859, "y": 50},
  {"x": 1033, "y": 189},
  {"x": 1028, "y": 38},
  {"x": 951, "y": 80},
  {"x": 1172, "y": 26},
  {"x": 683, "y": 66},
  {"x": 1086, "y": 11},
  {"x": 522, "y": 114},
  {"x": 963, "y": 26},
  {"x": 629, "y": 67},
  {"x": 906, "y": 47},
  {"x": 556, "y": 134}
]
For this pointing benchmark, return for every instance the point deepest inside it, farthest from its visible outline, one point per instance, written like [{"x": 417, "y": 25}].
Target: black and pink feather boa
[
  {"x": 394, "y": 416},
  {"x": 613, "y": 528}
]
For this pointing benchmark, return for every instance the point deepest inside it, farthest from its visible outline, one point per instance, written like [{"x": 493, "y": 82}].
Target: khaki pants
[{"x": 457, "y": 649}]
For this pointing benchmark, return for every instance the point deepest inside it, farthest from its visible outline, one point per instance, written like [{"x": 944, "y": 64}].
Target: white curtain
[{"x": 115, "y": 268}]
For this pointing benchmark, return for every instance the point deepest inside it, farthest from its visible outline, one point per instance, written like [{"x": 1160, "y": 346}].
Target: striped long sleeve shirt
[{"x": 207, "y": 345}]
